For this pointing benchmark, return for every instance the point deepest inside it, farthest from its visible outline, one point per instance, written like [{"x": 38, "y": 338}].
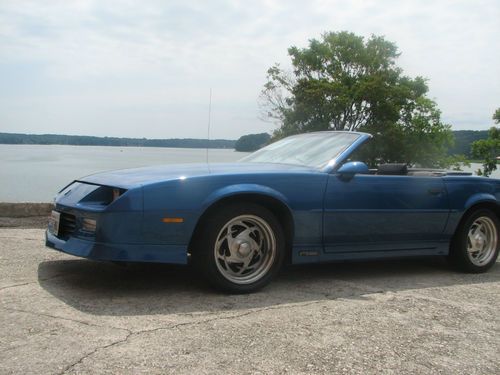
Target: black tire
[
  {"x": 472, "y": 261},
  {"x": 251, "y": 224}
]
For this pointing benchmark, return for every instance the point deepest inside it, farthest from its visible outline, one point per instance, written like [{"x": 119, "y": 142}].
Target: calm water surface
[{"x": 35, "y": 173}]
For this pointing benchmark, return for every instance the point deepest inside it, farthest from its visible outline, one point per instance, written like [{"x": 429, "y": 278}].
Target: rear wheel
[
  {"x": 241, "y": 248},
  {"x": 475, "y": 245}
]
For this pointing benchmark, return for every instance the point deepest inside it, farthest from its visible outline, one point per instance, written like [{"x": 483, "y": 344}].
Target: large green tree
[{"x": 346, "y": 82}]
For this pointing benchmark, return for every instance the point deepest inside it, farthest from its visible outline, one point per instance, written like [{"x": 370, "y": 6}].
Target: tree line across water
[
  {"x": 83, "y": 140},
  {"x": 246, "y": 143}
]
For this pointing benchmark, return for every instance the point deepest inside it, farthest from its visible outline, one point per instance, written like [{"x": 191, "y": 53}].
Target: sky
[{"x": 145, "y": 68}]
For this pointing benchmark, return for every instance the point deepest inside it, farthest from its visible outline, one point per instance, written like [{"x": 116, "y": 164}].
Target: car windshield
[{"x": 312, "y": 150}]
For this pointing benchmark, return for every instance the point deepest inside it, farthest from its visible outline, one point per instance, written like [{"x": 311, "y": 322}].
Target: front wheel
[
  {"x": 241, "y": 248},
  {"x": 476, "y": 243}
]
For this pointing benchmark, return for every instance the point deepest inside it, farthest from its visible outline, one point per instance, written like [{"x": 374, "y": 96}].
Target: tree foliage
[
  {"x": 252, "y": 142},
  {"x": 344, "y": 82},
  {"x": 488, "y": 149},
  {"x": 464, "y": 140},
  {"x": 496, "y": 116}
]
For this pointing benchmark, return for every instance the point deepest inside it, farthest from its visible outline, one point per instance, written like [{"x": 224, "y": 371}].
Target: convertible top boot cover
[{"x": 398, "y": 169}]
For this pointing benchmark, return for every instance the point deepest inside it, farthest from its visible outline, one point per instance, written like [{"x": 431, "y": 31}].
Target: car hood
[{"x": 129, "y": 178}]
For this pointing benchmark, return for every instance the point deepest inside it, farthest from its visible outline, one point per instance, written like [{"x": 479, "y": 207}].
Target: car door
[{"x": 370, "y": 213}]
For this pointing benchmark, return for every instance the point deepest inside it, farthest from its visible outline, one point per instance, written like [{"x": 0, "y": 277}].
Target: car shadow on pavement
[{"x": 106, "y": 289}]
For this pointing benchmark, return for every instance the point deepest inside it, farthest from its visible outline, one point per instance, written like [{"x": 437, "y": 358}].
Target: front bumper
[
  {"x": 119, "y": 223},
  {"x": 118, "y": 252}
]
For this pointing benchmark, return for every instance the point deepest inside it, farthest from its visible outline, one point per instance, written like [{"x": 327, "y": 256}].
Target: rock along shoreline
[
  {"x": 25, "y": 209},
  {"x": 24, "y": 215}
]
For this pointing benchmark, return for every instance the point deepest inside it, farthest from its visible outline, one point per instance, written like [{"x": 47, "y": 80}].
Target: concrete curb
[{"x": 25, "y": 209}]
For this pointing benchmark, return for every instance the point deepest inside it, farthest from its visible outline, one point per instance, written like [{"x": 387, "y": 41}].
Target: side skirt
[{"x": 315, "y": 254}]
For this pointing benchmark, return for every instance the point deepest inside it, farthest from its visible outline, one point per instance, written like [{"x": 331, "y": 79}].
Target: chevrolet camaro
[{"x": 303, "y": 199}]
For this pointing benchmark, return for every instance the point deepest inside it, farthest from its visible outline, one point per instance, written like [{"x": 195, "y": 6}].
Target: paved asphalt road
[{"x": 60, "y": 314}]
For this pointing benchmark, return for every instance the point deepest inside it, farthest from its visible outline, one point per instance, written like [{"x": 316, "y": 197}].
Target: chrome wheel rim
[
  {"x": 245, "y": 249},
  {"x": 482, "y": 241}
]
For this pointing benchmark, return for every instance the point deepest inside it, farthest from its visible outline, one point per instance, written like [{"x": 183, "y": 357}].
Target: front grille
[{"x": 67, "y": 224}]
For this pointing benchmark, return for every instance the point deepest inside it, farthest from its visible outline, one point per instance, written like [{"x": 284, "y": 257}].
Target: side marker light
[{"x": 172, "y": 220}]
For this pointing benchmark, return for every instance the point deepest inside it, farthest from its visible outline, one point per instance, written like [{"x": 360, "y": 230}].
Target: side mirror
[{"x": 348, "y": 170}]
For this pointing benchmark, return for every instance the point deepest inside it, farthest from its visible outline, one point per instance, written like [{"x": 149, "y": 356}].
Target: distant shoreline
[{"x": 83, "y": 140}]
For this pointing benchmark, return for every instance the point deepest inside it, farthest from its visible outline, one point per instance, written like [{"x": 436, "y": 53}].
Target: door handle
[{"x": 435, "y": 191}]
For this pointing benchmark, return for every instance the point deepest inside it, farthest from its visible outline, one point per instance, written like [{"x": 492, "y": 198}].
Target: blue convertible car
[{"x": 301, "y": 199}]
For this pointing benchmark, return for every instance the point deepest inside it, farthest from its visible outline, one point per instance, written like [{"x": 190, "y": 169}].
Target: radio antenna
[{"x": 209, "y": 116}]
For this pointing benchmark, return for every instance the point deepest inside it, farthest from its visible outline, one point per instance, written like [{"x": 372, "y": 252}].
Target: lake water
[{"x": 35, "y": 173}]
